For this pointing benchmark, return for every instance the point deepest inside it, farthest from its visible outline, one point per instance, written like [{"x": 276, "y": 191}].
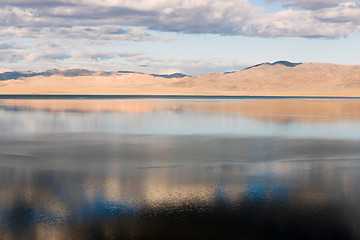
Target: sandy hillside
[{"x": 309, "y": 79}]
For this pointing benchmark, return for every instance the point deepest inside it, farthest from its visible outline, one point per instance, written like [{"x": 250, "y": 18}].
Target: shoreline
[{"x": 166, "y": 96}]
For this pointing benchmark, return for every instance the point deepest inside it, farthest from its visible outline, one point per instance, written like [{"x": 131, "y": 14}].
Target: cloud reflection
[{"x": 105, "y": 186}]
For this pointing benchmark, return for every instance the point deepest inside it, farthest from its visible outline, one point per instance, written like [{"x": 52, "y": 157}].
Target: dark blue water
[{"x": 179, "y": 169}]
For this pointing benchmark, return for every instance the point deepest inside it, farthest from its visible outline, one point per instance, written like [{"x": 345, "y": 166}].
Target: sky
[{"x": 167, "y": 36}]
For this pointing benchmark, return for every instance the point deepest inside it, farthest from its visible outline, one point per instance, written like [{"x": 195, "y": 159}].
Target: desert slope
[{"x": 308, "y": 79}]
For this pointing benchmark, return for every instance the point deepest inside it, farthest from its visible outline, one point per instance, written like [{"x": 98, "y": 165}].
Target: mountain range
[
  {"x": 280, "y": 78},
  {"x": 75, "y": 73}
]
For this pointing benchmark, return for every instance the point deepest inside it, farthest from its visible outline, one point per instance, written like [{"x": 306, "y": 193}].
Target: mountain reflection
[
  {"x": 328, "y": 118},
  {"x": 279, "y": 110},
  {"x": 114, "y": 186}
]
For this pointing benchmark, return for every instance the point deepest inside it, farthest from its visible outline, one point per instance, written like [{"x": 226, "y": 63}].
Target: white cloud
[
  {"x": 192, "y": 66},
  {"x": 98, "y": 55},
  {"x": 344, "y": 13},
  {"x": 313, "y": 4},
  {"x": 291, "y": 23},
  {"x": 48, "y": 54},
  {"x": 104, "y": 32},
  {"x": 2, "y": 70},
  {"x": 12, "y": 55},
  {"x": 57, "y": 27},
  {"x": 108, "y": 19}
]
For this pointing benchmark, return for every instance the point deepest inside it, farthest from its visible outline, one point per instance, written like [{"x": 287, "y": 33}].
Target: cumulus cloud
[
  {"x": 12, "y": 55},
  {"x": 16, "y": 55},
  {"x": 343, "y": 13},
  {"x": 2, "y": 70},
  {"x": 49, "y": 54},
  {"x": 108, "y": 19},
  {"x": 64, "y": 31},
  {"x": 207, "y": 16},
  {"x": 292, "y": 23},
  {"x": 82, "y": 32},
  {"x": 6, "y": 46},
  {"x": 312, "y": 4},
  {"x": 98, "y": 55},
  {"x": 32, "y": 3},
  {"x": 192, "y": 66},
  {"x": 317, "y": 19}
]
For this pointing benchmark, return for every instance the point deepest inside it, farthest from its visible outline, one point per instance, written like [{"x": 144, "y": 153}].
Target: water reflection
[
  {"x": 280, "y": 110},
  {"x": 179, "y": 169},
  {"x": 335, "y": 118},
  {"x": 114, "y": 186}
]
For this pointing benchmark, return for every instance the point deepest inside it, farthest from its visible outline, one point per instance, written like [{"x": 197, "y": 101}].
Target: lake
[{"x": 179, "y": 168}]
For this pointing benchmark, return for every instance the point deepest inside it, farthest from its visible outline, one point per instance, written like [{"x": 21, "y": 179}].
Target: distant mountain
[
  {"x": 75, "y": 73},
  {"x": 174, "y": 75},
  {"x": 127, "y": 72},
  {"x": 284, "y": 63},
  {"x": 268, "y": 79},
  {"x": 15, "y": 75},
  {"x": 65, "y": 73},
  {"x": 230, "y": 72}
]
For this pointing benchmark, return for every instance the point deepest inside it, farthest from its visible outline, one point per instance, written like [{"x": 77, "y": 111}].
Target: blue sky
[{"x": 189, "y": 36}]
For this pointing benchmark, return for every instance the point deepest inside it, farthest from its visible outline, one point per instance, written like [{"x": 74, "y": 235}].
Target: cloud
[
  {"x": 105, "y": 32},
  {"x": 6, "y": 46},
  {"x": 344, "y": 13},
  {"x": 12, "y": 55},
  {"x": 98, "y": 55},
  {"x": 124, "y": 20},
  {"x": 291, "y": 23},
  {"x": 37, "y": 3},
  {"x": 311, "y": 4},
  {"x": 12, "y": 52},
  {"x": 66, "y": 32},
  {"x": 2, "y": 70},
  {"x": 49, "y": 54},
  {"x": 191, "y": 66},
  {"x": 11, "y": 44}
]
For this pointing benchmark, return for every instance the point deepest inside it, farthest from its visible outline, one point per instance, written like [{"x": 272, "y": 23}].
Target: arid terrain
[{"x": 307, "y": 79}]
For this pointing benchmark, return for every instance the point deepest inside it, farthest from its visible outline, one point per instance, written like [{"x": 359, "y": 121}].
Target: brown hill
[{"x": 309, "y": 79}]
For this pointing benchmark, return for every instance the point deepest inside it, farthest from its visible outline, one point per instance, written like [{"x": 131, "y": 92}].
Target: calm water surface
[{"x": 179, "y": 168}]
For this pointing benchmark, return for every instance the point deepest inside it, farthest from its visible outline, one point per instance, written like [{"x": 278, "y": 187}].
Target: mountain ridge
[
  {"x": 277, "y": 79},
  {"x": 75, "y": 73},
  {"x": 281, "y": 62}
]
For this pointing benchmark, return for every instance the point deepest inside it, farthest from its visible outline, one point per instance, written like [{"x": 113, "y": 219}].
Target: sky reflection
[
  {"x": 60, "y": 183},
  {"x": 167, "y": 169}
]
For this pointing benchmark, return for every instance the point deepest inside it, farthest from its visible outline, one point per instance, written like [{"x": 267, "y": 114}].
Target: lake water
[{"x": 186, "y": 168}]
